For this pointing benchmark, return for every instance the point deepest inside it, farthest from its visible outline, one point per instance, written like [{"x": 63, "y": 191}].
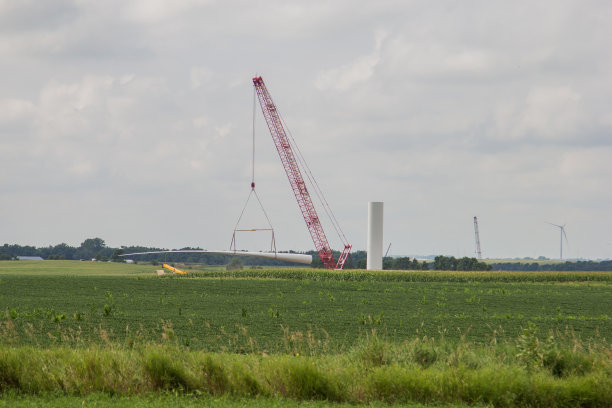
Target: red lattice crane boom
[{"x": 294, "y": 174}]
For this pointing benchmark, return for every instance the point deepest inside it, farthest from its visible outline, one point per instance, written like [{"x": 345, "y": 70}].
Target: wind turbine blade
[
  {"x": 564, "y": 234},
  {"x": 281, "y": 256},
  {"x": 559, "y": 226}
]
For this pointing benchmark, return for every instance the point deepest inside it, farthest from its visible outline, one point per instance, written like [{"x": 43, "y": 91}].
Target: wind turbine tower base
[{"x": 375, "y": 235}]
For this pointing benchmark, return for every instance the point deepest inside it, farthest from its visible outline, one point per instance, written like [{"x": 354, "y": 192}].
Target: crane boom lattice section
[{"x": 294, "y": 174}]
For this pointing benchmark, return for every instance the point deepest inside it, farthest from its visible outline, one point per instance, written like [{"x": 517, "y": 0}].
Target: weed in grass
[
  {"x": 58, "y": 317},
  {"x": 168, "y": 334},
  {"x": 372, "y": 351},
  {"x": 109, "y": 306},
  {"x": 362, "y": 319},
  {"x": 13, "y": 313},
  {"x": 245, "y": 382},
  {"x": 425, "y": 352},
  {"x": 167, "y": 373},
  {"x": 530, "y": 351},
  {"x": 216, "y": 380},
  {"x": 8, "y": 333},
  {"x": 562, "y": 363},
  {"x": 302, "y": 380},
  {"x": 9, "y": 373}
]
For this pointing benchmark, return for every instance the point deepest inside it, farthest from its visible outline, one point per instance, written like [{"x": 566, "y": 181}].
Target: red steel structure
[{"x": 294, "y": 174}]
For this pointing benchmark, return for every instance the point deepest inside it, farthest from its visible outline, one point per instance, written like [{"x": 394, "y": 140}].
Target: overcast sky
[{"x": 132, "y": 121}]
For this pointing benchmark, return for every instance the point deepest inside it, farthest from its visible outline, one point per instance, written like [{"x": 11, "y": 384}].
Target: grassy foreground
[
  {"x": 163, "y": 400},
  {"x": 529, "y": 372},
  {"x": 107, "y": 335}
]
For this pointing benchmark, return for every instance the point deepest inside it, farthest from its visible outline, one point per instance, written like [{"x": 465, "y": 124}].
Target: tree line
[
  {"x": 96, "y": 249},
  {"x": 590, "y": 266}
]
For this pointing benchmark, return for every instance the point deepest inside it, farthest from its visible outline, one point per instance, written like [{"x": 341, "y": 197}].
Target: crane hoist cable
[
  {"x": 251, "y": 194},
  {"x": 313, "y": 182}
]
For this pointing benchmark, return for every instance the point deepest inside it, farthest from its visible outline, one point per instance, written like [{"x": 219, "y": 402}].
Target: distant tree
[
  {"x": 403, "y": 263},
  {"x": 90, "y": 248},
  {"x": 55, "y": 257},
  {"x": 100, "y": 257},
  {"x": 93, "y": 244},
  {"x": 64, "y": 250},
  {"x": 349, "y": 263},
  {"x": 445, "y": 263},
  {"x": 450, "y": 263},
  {"x": 235, "y": 263},
  {"x": 5, "y": 257},
  {"x": 387, "y": 262},
  {"x": 116, "y": 257},
  {"x": 316, "y": 262},
  {"x": 359, "y": 259},
  {"x": 472, "y": 264}
]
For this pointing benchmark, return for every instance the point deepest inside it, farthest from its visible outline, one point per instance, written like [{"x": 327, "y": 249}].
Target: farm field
[
  {"x": 502, "y": 338},
  {"x": 82, "y": 303}
]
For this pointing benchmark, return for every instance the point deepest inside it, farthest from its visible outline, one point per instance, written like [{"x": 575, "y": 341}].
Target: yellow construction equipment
[{"x": 173, "y": 269}]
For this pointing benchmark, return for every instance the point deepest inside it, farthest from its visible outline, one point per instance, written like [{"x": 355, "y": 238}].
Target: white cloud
[
  {"x": 199, "y": 76},
  {"x": 200, "y": 122},
  {"x": 14, "y": 111},
  {"x": 348, "y": 76},
  {"x": 551, "y": 113},
  {"x": 443, "y": 111},
  {"x": 353, "y": 73},
  {"x": 154, "y": 11}
]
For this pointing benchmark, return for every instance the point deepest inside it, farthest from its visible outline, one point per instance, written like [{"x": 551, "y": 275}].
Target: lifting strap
[{"x": 253, "y": 193}]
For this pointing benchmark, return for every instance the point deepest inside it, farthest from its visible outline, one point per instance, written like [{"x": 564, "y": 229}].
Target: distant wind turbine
[{"x": 563, "y": 234}]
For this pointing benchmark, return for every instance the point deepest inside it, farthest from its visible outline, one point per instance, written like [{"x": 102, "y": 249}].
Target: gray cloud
[{"x": 132, "y": 120}]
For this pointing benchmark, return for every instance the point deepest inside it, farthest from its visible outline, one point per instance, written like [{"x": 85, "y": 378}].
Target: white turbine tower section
[
  {"x": 375, "y": 235},
  {"x": 478, "y": 251}
]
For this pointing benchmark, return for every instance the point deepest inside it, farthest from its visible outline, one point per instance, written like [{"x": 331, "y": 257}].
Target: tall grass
[{"x": 529, "y": 371}]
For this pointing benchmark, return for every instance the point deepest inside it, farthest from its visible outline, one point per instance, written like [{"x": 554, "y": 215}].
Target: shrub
[
  {"x": 304, "y": 381},
  {"x": 167, "y": 373},
  {"x": 217, "y": 381}
]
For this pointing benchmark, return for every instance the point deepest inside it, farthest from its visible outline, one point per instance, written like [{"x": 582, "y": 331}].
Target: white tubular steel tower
[
  {"x": 375, "y": 235},
  {"x": 478, "y": 251}
]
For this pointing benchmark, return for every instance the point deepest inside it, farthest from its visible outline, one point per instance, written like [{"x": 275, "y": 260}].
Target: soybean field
[{"x": 285, "y": 310}]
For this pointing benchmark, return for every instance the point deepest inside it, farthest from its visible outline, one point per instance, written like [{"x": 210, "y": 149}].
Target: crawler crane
[{"x": 292, "y": 167}]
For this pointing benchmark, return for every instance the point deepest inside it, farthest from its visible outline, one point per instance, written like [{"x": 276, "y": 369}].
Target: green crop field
[
  {"x": 298, "y": 313},
  {"x": 84, "y": 302}
]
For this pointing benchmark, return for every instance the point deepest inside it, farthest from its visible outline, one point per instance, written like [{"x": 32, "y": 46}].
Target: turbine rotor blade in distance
[{"x": 281, "y": 256}]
